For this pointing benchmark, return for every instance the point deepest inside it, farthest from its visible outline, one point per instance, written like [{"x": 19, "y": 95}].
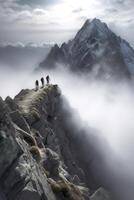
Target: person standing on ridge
[
  {"x": 42, "y": 82},
  {"x": 48, "y": 79},
  {"x": 36, "y": 85}
]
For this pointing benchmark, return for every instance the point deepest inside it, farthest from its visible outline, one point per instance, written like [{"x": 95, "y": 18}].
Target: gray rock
[
  {"x": 52, "y": 163},
  {"x": 19, "y": 120},
  {"x": 21, "y": 176},
  {"x": 29, "y": 193},
  {"x": 26, "y": 178},
  {"x": 4, "y": 109},
  {"x": 11, "y": 104},
  {"x": 9, "y": 149}
]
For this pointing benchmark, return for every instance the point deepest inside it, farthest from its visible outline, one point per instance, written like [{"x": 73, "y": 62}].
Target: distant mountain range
[
  {"x": 96, "y": 49},
  {"x": 18, "y": 56}
]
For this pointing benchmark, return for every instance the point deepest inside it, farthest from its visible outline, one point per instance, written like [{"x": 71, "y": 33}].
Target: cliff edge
[{"x": 40, "y": 157}]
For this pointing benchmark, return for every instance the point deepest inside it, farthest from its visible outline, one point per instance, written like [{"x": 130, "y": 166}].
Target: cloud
[
  {"x": 39, "y": 11},
  {"x": 18, "y": 17},
  {"x": 36, "y": 3},
  {"x": 121, "y": 2},
  {"x": 78, "y": 10}
]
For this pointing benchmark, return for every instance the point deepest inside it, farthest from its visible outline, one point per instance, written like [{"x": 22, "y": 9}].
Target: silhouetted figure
[
  {"x": 48, "y": 79},
  {"x": 36, "y": 85},
  {"x": 42, "y": 82}
]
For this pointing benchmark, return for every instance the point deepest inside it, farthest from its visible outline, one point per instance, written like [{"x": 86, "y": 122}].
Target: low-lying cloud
[{"x": 105, "y": 106}]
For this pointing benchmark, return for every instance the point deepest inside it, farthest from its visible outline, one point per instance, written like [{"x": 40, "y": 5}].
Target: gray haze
[
  {"x": 109, "y": 108},
  {"x": 22, "y": 57},
  {"x": 36, "y": 21},
  {"x": 105, "y": 107},
  {"x": 17, "y": 62}
]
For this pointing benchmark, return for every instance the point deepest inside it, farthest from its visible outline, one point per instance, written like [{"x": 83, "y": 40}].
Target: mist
[
  {"x": 20, "y": 56},
  {"x": 17, "y": 62},
  {"x": 107, "y": 107}
]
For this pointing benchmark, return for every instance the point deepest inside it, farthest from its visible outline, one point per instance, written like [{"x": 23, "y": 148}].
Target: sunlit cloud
[{"x": 67, "y": 15}]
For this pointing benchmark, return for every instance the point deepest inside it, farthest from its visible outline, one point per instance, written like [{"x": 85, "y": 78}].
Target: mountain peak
[
  {"x": 96, "y": 21},
  {"x": 93, "y": 21},
  {"x": 95, "y": 49},
  {"x": 93, "y": 27}
]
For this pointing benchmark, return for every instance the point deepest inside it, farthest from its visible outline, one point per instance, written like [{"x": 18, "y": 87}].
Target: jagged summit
[
  {"x": 93, "y": 27},
  {"x": 96, "y": 50}
]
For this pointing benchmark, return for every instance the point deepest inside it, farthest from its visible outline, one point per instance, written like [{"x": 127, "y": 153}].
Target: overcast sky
[{"x": 42, "y": 21}]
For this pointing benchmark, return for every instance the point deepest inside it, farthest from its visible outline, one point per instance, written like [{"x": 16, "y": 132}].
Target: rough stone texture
[
  {"x": 11, "y": 104},
  {"x": 19, "y": 120},
  {"x": 21, "y": 177},
  {"x": 3, "y": 110},
  {"x": 9, "y": 149},
  {"x": 36, "y": 119}
]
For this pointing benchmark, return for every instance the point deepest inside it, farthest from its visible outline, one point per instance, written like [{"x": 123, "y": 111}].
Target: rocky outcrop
[
  {"x": 56, "y": 54},
  {"x": 40, "y": 158},
  {"x": 20, "y": 176}
]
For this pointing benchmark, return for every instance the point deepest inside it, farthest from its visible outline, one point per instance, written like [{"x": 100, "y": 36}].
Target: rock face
[
  {"x": 40, "y": 158},
  {"x": 95, "y": 49}
]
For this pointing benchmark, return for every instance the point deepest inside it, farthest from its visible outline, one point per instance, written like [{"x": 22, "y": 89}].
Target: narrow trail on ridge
[{"x": 28, "y": 99}]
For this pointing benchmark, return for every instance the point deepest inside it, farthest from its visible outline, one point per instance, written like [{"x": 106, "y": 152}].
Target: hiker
[
  {"x": 36, "y": 85},
  {"x": 42, "y": 82},
  {"x": 48, "y": 79}
]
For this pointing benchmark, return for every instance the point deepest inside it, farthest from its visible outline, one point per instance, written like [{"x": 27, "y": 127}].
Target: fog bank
[{"x": 107, "y": 107}]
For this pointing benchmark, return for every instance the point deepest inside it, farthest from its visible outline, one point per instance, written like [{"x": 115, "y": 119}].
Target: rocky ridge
[{"x": 40, "y": 158}]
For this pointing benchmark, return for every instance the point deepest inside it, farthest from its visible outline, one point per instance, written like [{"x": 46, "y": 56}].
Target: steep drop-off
[{"x": 43, "y": 154}]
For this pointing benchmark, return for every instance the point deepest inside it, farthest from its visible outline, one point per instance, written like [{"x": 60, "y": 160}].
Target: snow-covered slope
[{"x": 95, "y": 49}]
